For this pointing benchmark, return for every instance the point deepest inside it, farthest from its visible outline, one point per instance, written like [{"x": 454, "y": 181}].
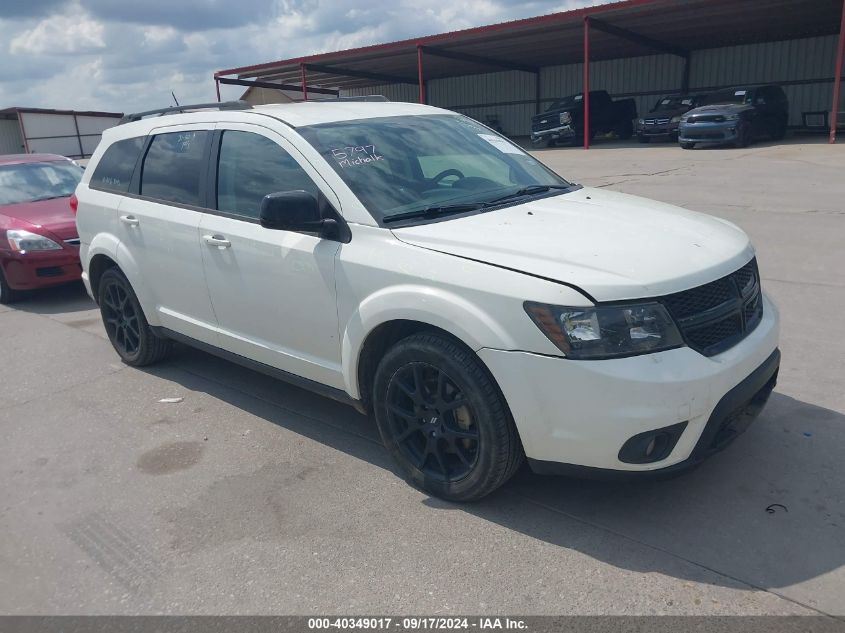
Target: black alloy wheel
[
  {"x": 443, "y": 418},
  {"x": 120, "y": 319},
  {"x": 432, "y": 421},
  {"x": 127, "y": 328},
  {"x": 743, "y": 134}
]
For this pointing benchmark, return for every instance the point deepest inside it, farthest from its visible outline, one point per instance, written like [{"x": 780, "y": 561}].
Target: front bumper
[
  {"x": 657, "y": 131},
  {"x": 553, "y": 134},
  {"x": 40, "y": 269},
  {"x": 581, "y": 413},
  {"x": 708, "y": 132}
]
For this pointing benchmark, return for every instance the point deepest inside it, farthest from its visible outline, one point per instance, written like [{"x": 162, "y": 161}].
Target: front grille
[
  {"x": 718, "y": 315},
  {"x": 656, "y": 121},
  {"x": 549, "y": 123},
  {"x": 73, "y": 241},
  {"x": 705, "y": 136}
]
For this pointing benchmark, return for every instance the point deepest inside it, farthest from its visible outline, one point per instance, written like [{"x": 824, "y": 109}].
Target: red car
[{"x": 39, "y": 245}]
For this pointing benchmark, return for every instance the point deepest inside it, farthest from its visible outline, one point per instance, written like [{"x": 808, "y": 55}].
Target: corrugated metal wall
[
  {"x": 10, "y": 137},
  {"x": 509, "y": 96}
]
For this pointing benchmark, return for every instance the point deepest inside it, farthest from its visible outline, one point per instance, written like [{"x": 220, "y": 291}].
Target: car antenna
[{"x": 174, "y": 98}]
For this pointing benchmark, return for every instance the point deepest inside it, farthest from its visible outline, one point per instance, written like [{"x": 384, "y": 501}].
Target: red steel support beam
[
  {"x": 420, "y": 78},
  {"x": 217, "y": 87},
  {"x": 837, "y": 78},
  {"x": 304, "y": 82},
  {"x": 587, "y": 82}
]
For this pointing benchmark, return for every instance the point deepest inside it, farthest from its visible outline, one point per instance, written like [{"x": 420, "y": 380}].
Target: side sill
[{"x": 298, "y": 381}]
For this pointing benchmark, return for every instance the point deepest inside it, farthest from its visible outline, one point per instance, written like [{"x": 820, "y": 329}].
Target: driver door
[{"x": 272, "y": 291}]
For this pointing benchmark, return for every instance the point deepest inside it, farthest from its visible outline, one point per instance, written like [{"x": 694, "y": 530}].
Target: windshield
[
  {"x": 30, "y": 182},
  {"x": 737, "y": 95},
  {"x": 409, "y": 163},
  {"x": 669, "y": 104},
  {"x": 566, "y": 102}
]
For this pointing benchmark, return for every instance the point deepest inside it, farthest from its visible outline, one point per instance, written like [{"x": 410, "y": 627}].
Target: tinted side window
[
  {"x": 173, "y": 166},
  {"x": 250, "y": 167},
  {"x": 114, "y": 171}
]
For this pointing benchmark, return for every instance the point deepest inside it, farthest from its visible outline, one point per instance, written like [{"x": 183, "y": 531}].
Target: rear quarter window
[
  {"x": 173, "y": 166},
  {"x": 114, "y": 171}
]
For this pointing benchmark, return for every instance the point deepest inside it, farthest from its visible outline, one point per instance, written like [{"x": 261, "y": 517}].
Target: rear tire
[
  {"x": 687, "y": 145},
  {"x": 625, "y": 130},
  {"x": 7, "y": 294},
  {"x": 131, "y": 336},
  {"x": 779, "y": 130},
  {"x": 443, "y": 419}
]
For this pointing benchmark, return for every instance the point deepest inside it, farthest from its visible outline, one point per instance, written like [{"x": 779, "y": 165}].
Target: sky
[{"x": 128, "y": 55}]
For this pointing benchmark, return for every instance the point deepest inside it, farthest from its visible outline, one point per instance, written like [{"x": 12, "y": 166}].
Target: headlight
[
  {"x": 676, "y": 119},
  {"x": 565, "y": 118},
  {"x": 606, "y": 331},
  {"x": 641, "y": 121},
  {"x": 20, "y": 240}
]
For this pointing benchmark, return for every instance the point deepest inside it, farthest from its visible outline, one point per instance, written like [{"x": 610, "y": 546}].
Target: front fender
[{"x": 440, "y": 308}]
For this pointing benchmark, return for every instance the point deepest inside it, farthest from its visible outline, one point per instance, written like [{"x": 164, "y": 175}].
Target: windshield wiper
[
  {"x": 47, "y": 198},
  {"x": 436, "y": 211},
  {"x": 530, "y": 190}
]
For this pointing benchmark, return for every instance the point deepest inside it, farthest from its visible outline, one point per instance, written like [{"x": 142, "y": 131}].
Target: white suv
[{"x": 415, "y": 264}]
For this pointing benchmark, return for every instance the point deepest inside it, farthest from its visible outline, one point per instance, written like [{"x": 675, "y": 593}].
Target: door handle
[
  {"x": 130, "y": 220},
  {"x": 217, "y": 240}
]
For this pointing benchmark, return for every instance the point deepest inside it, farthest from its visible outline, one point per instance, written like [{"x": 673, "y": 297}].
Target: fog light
[{"x": 651, "y": 446}]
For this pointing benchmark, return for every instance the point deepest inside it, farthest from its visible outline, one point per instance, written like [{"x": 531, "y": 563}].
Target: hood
[
  {"x": 574, "y": 108},
  {"x": 53, "y": 215},
  {"x": 721, "y": 108},
  {"x": 611, "y": 245}
]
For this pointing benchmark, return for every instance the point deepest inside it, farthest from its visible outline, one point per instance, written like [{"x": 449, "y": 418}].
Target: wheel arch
[
  {"x": 401, "y": 311},
  {"x": 381, "y": 338},
  {"x": 98, "y": 265},
  {"x": 107, "y": 252}
]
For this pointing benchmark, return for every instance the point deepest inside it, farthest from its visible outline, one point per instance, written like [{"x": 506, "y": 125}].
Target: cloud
[
  {"x": 128, "y": 56},
  {"x": 29, "y": 8},
  {"x": 58, "y": 35},
  {"x": 186, "y": 15}
]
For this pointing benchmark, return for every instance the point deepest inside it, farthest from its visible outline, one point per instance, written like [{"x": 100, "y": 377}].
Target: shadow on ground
[
  {"x": 57, "y": 300},
  {"x": 715, "y": 516}
]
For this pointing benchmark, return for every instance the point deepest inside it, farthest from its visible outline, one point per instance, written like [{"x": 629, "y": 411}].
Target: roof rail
[
  {"x": 225, "y": 105},
  {"x": 361, "y": 98}
]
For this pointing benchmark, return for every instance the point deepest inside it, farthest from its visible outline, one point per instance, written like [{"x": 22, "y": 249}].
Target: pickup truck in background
[{"x": 564, "y": 120}]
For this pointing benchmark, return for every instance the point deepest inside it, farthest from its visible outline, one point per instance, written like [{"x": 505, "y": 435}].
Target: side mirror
[{"x": 297, "y": 211}]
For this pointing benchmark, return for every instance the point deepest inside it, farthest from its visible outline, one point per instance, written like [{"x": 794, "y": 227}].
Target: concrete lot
[{"x": 251, "y": 496}]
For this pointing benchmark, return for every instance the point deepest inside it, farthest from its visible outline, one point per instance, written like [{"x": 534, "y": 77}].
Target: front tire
[
  {"x": 443, "y": 419},
  {"x": 7, "y": 293},
  {"x": 687, "y": 145},
  {"x": 131, "y": 336},
  {"x": 743, "y": 135}
]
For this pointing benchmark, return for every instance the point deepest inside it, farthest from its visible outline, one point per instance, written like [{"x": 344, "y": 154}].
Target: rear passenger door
[
  {"x": 273, "y": 291},
  {"x": 159, "y": 226}
]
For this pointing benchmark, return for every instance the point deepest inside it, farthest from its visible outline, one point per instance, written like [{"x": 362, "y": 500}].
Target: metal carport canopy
[{"x": 629, "y": 28}]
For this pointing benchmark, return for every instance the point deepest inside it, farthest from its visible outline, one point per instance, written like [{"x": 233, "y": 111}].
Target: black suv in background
[
  {"x": 663, "y": 119},
  {"x": 737, "y": 116},
  {"x": 564, "y": 120}
]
